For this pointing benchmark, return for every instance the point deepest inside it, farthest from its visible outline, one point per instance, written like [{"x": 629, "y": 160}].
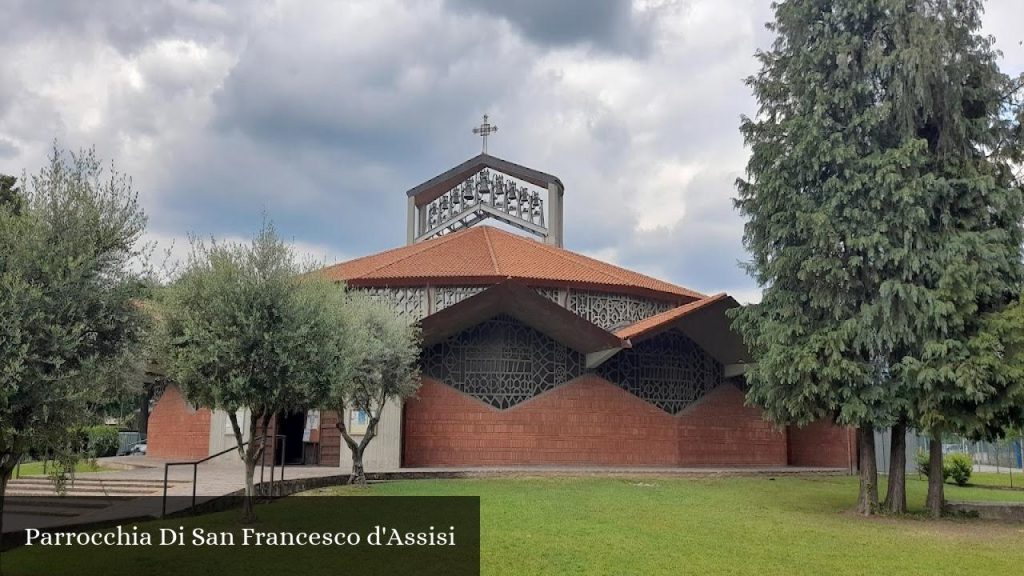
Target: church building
[{"x": 534, "y": 355}]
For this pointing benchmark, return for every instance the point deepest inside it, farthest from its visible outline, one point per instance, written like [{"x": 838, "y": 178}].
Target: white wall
[
  {"x": 385, "y": 450},
  {"x": 222, "y": 436}
]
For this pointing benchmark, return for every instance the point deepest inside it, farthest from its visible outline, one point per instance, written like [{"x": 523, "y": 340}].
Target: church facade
[{"x": 535, "y": 355}]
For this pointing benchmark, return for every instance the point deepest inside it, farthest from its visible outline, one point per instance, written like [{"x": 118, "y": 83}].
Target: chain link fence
[{"x": 1005, "y": 456}]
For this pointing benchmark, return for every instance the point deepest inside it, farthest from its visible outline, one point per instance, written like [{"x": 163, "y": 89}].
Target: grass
[
  {"x": 36, "y": 468},
  {"x": 645, "y": 525},
  {"x": 969, "y": 493},
  {"x": 1000, "y": 480}
]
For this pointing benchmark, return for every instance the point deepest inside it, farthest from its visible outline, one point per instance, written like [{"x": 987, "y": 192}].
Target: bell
[
  {"x": 455, "y": 198},
  {"x": 467, "y": 192},
  {"x": 511, "y": 194},
  {"x": 499, "y": 188}
]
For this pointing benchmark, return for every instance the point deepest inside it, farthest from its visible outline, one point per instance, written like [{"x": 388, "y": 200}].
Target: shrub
[
  {"x": 103, "y": 441},
  {"x": 921, "y": 460},
  {"x": 958, "y": 466}
]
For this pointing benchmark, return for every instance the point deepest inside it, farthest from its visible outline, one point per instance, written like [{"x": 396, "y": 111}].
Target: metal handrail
[{"x": 195, "y": 468}]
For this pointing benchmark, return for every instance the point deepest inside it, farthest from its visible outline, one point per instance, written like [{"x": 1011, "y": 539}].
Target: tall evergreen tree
[
  {"x": 877, "y": 225},
  {"x": 956, "y": 112}
]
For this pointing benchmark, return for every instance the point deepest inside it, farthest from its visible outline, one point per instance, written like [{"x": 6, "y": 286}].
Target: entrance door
[{"x": 292, "y": 426}]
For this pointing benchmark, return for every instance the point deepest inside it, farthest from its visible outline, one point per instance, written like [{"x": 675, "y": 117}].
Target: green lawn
[
  {"x": 1001, "y": 479},
  {"x": 36, "y": 468},
  {"x": 646, "y": 526}
]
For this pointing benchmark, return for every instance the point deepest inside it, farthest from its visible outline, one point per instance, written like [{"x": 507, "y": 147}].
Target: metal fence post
[{"x": 163, "y": 509}]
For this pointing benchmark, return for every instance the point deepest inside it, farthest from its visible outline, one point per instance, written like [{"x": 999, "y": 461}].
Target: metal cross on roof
[{"x": 485, "y": 130}]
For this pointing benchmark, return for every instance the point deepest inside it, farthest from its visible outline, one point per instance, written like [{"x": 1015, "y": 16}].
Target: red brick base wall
[
  {"x": 176, "y": 429},
  {"x": 823, "y": 444},
  {"x": 720, "y": 430},
  {"x": 586, "y": 422}
]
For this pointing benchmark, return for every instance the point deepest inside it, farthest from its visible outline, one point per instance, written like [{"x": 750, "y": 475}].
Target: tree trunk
[
  {"x": 143, "y": 422},
  {"x": 248, "y": 509},
  {"x": 5, "y": 475},
  {"x": 896, "y": 492},
  {"x": 867, "y": 502},
  {"x": 250, "y": 455},
  {"x": 936, "y": 481},
  {"x": 358, "y": 477}
]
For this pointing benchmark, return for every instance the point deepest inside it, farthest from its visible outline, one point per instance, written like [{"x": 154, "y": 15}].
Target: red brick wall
[
  {"x": 822, "y": 444},
  {"x": 586, "y": 422},
  {"x": 720, "y": 430},
  {"x": 176, "y": 429}
]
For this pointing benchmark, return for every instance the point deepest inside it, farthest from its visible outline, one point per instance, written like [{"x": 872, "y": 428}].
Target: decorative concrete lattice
[
  {"x": 669, "y": 371},
  {"x": 553, "y": 294},
  {"x": 614, "y": 311},
  {"x": 409, "y": 303},
  {"x": 446, "y": 296},
  {"x": 502, "y": 362}
]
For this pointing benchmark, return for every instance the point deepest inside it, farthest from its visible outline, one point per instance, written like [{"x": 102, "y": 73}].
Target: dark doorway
[{"x": 292, "y": 426}]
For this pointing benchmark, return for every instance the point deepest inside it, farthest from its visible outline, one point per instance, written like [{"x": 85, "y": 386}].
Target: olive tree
[
  {"x": 382, "y": 351},
  {"x": 69, "y": 319},
  {"x": 248, "y": 329}
]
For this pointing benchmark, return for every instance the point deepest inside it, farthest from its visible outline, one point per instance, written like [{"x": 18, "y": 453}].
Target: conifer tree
[{"x": 880, "y": 222}]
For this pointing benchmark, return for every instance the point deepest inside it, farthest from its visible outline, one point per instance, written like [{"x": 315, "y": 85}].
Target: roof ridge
[
  {"x": 490, "y": 250},
  {"x": 424, "y": 247}
]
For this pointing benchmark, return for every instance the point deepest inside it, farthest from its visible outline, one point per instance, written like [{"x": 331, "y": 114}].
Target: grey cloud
[
  {"x": 7, "y": 148},
  {"x": 605, "y": 24},
  {"x": 127, "y": 25},
  {"x": 702, "y": 251}
]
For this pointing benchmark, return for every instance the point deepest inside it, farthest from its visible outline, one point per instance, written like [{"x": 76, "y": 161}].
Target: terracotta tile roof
[
  {"x": 658, "y": 321},
  {"x": 487, "y": 255}
]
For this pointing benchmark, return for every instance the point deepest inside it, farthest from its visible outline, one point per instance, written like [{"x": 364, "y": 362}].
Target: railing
[{"x": 195, "y": 468}]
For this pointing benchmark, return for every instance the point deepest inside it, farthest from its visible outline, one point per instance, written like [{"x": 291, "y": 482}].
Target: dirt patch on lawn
[{"x": 953, "y": 529}]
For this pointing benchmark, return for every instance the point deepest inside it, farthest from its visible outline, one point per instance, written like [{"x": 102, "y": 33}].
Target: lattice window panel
[
  {"x": 614, "y": 311},
  {"x": 669, "y": 371},
  {"x": 446, "y": 296},
  {"x": 502, "y": 362},
  {"x": 553, "y": 294},
  {"x": 407, "y": 302}
]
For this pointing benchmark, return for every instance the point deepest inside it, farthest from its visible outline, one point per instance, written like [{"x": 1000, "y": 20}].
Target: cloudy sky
[{"x": 322, "y": 113}]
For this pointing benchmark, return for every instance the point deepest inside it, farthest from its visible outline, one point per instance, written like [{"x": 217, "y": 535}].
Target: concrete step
[
  {"x": 44, "y": 511},
  {"x": 100, "y": 481},
  {"x": 83, "y": 503},
  {"x": 80, "y": 491}
]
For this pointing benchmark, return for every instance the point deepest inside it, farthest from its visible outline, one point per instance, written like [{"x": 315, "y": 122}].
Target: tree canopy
[
  {"x": 69, "y": 315},
  {"x": 248, "y": 329},
  {"x": 382, "y": 351},
  {"x": 883, "y": 219}
]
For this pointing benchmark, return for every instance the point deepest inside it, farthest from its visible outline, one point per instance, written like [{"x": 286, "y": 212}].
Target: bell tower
[{"x": 486, "y": 187}]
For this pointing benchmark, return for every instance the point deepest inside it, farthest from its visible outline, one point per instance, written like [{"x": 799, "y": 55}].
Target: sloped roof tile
[{"x": 487, "y": 255}]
